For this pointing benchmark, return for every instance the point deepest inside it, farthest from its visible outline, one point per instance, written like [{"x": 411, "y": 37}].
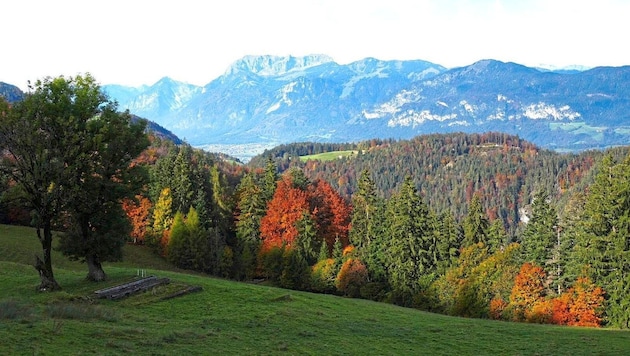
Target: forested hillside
[{"x": 449, "y": 168}]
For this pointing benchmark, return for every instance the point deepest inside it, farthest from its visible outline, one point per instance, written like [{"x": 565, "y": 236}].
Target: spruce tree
[
  {"x": 367, "y": 220},
  {"x": 408, "y": 248},
  {"x": 539, "y": 236},
  {"x": 450, "y": 237},
  {"x": 476, "y": 223},
  {"x": 497, "y": 236},
  {"x": 603, "y": 245}
]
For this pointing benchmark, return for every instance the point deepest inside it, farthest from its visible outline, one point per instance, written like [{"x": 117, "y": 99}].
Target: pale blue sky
[{"x": 134, "y": 42}]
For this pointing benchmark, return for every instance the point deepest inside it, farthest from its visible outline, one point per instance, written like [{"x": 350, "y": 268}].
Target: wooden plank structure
[{"x": 127, "y": 289}]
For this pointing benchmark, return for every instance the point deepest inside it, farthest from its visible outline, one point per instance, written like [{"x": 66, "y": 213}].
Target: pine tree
[
  {"x": 270, "y": 177},
  {"x": 604, "y": 244},
  {"x": 179, "y": 247},
  {"x": 250, "y": 209},
  {"x": 182, "y": 185},
  {"x": 497, "y": 236},
  {"x": 366, "y": 225},
  {"x": 306, "y": 241},
  {"x": 449, "y": 240},
  {"x": 410, "y": 236},
  {"x": 539, "y": 236},
  {"x": 476, "y": 223}
]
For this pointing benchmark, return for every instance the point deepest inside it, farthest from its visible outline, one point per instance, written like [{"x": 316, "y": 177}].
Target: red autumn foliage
[
  {"x": 329, "y": 210},
  {"x": 138, "y": 213},
  {"x": 278, "y": 226},
  {"x": 332, "y": 213},
  {"x": 579, "y": 305}
]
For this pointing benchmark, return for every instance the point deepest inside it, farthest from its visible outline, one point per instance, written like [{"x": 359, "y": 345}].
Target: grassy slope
[
  {"x": 238, "y": 318},
  {"x": 328, "y": 156}
]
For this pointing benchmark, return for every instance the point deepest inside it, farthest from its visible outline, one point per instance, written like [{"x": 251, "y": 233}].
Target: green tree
[
  {"x": 250, "y": 209},
  {"x": 476, "y": 223},
  {"x": 306, "y": 242},
  {"x": 181, "y": 182},
  {"x": 497, "y": 236},
  {"x": 269, "y": 180},
  {"x": 179, "y": 244},
  {"x": 408, "y": 249},
  {"x": 102, "y": 178},
  {"x": 59, "y": 147},
  {"x": 539, "y": 236},
  {"x": 365, "y": 232},
  {"x": 603, "y": 245},
  {"x": 449, "y": 239}
]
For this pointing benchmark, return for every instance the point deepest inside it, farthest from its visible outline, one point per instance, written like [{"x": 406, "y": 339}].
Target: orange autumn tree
[
  {"x": 332, "y": 213},
  {"x": 580, "y": 305},
  {"x": 278, "y": 226},
  {"x": 527, "y": 300},
  {"x": 138, "y": 213}
]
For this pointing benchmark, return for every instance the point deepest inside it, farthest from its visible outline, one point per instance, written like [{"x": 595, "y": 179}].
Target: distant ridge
[{"x": 265, "y": 100}]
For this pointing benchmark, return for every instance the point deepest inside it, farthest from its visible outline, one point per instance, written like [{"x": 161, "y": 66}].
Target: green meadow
[
  {"x": 329, "y": 156},
  {"x": 228, "y": 317}
]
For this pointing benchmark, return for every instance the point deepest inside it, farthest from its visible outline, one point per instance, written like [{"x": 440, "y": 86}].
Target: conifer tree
[
  {"x": 497, "y": 236},
  {"x": 476, "y": 223},
  {"x": 604, "y": 243},
  {"x": 539, "y": 236},
  {"x": 409, "y": 244},
  {"x": 270, "y": 177},
  {"x": 306, "y": 242},
  {"x": 366, "y": 227},
  {"x": 449, "y": 240},
  {"x": 250, "y": 208},
  {"x": 179, "y": 251}
]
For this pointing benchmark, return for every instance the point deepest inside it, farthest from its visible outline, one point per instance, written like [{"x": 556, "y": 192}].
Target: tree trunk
[
  {"x": 95, "y": 270},
  {"x": 47, "y": 278}
]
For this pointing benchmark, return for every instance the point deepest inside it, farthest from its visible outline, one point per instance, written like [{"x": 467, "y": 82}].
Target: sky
[{"x": 136, "y": 42}]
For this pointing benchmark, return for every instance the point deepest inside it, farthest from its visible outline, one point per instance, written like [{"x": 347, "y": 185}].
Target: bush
[
  {"x": 376, "y": 291},
  {"x": 296, "y": 272},
  {"x": 272, "y": 264},
  {"x": 323, "y": 276},
  {"x": 352, "y": 276}
]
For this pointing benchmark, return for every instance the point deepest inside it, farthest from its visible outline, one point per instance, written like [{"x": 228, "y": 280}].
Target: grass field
[
  {"x": 243, "y": 319},
  {"x": 329, "y": 156}
]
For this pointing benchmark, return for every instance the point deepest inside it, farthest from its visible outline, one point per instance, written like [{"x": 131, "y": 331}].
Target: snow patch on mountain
[
  {"x": 284, "y": 99},
  {"x": 393, "y": 106},
  {"x": 549, "y": 112},
  {"x": 471, "y": 109},
  {"x": 412, "y": 118}
]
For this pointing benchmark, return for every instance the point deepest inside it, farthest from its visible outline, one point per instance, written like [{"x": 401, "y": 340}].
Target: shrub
[
  {"x": 323, "y": 276},
  {"x": 352, "y": 276}
]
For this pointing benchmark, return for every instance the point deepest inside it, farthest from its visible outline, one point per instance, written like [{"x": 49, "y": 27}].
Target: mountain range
[{"x": 262, "y": 101}]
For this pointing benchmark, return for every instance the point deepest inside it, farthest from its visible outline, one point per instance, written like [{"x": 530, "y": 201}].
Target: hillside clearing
[{"x": 329, "y": 156}]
